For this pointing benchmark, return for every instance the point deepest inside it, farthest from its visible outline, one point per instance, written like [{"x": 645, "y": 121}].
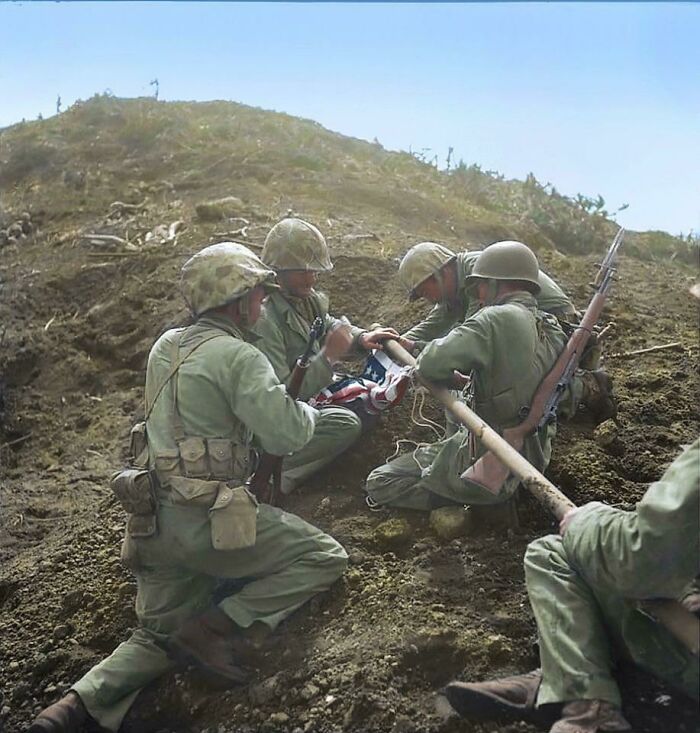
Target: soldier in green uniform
[
  {"x": 585, "y": 587},
  {"x": 297, "y": 251},
  {"x": 433, "y": 272},
  {"x": 508, "y": 346},
  {"x": 212, "y": 399}
]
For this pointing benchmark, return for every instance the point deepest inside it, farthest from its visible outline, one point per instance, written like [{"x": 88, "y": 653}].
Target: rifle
[
  {"x": 269, "y": 465},
  {"x": 489, "y": 471},
  {"x": 670, "y": 613}
]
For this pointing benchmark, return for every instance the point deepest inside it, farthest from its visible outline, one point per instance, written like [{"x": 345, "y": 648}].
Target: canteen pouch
[
  {"x": 135, "y": 491},
  {"x": 141, "y": 525},
  {"x": 193, "y": 457},
  {"x": 233, "y": 518}
]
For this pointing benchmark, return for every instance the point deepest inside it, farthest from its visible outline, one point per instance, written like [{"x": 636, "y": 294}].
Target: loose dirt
[{"x": 412, "y": 612}]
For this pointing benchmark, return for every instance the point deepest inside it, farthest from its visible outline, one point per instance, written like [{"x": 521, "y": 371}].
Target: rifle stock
[{"x": 270, "y": 465}]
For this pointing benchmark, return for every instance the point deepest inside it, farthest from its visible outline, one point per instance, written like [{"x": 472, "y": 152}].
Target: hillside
[{"x": 116, "y": 193}]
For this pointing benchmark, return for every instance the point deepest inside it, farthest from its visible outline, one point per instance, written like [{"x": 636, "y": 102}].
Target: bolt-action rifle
[
  {"x": 489, "y": 471},
  {"x": 269, "y": 465}
]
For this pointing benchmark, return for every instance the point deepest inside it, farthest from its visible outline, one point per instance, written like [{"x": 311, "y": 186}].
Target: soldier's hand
[
  {"x": 566, "y": 520},
  {"x": 337, "y": 343},
  {"x": 373, "y": 339}
]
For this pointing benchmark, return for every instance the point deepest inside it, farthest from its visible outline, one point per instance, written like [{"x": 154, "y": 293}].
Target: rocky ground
[{"x": 79, "y": 314}]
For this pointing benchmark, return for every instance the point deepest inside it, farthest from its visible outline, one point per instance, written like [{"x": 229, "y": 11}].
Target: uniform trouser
[
  {"x": 399, "y": 483},
  {"x": 336, "y": 430},
  {"x": 178, "y": 569},
  {"x": 583, "y": 633}
]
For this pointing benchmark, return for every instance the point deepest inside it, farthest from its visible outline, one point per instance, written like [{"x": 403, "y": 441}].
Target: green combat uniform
[
  {"x": 283, "y": 335},
  {"x": 222, "y": 401},
  {"x": 296, "y": 245},
  {"x": 443, "y": 318},
  {"x": 509, "y": 347},
  {"x": 584, "y": 587}
]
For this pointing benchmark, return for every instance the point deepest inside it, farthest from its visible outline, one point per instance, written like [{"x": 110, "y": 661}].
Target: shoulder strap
[{"x": 176, "y": 363}]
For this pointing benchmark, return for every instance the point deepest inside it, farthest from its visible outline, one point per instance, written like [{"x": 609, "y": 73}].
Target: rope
[{"x": 419, "y": 419}]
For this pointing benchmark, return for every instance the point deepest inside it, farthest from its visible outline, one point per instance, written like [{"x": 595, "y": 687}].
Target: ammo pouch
[
  {"x": 136, "y": 493},
  {"x": 232, "y": 509},
  {"x": 213, "y": 458}
]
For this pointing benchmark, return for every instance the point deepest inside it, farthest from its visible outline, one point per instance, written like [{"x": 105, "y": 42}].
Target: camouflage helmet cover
[
  {"x": 294, "y": 244},
  {"x": 421, "y": 262},
  {"x": 507, "y": 260},
  {"x": 221, "y": 273}
]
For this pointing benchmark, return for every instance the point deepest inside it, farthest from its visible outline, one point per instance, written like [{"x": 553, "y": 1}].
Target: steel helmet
[
  {"x": 507, "y": 261},
  {"x": 294, "y": 244},
  {"x": 220, "y": 274},
  {"x": 421, "y": 262}
]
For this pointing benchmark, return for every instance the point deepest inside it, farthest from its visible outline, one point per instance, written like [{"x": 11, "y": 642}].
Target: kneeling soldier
[
  {"x": 433, "y": 272},
  {"x": 211, "y": 396},
  {"x": 508, "y": 346},
  {"x": 297, "y": 252},
  {"x": 584, "y": 588}
]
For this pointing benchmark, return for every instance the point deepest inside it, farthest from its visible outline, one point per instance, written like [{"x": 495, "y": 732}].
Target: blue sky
[{"x": 593, "y": 97}]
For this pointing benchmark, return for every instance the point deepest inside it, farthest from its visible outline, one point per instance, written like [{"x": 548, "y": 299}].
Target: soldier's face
[
  {"x": 430, "y": 290},
  {"x": 297, "y": 283}
]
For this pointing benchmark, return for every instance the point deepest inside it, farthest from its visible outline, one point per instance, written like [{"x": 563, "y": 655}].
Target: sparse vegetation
[{"x": 86, "y": 289}]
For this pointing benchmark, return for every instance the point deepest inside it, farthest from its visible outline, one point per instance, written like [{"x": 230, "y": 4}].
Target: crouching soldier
[
  {"x": 585, "y": 588},
  {"x": 433, "y": 272},
  {"x": 297, "y": 252},
  {"x": 507, "y": 347},
  {"x": 210, "y": 397}
]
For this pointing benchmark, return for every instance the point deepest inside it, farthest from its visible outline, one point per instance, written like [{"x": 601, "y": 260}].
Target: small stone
[
  {"x": 5, "y": 711},
  {"x": 13, "y": 666},
  {"x": 392, "y": 532},
  {"x": 450, "y": 522},
  {"x": 607, "y": 436},
  {"x": 126, "y": 590},
  {"x": 218, "y": 209},
  {"x": 309, "y": 691},
  {"x": 356, "y": 557},
  {"x": 264, "y": 692},
  {"x": 279, "y": 718},
  {"x": 61, "y": 632}
]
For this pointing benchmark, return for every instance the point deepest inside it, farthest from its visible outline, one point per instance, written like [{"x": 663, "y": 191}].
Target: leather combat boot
[
  {"x": 598, "y": 395},
  {"x": 590, "y": 716},
  {"x": 508, "y": 697},
  {"x": 68, "y": 715},
  {"x": 207, "y": 641}
]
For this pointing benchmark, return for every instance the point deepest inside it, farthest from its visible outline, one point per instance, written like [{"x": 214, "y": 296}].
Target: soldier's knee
[
  {"x": 335, "y": 556},
  {"x": 352, "y": 425},
  {"x": 539, "y": 553}
]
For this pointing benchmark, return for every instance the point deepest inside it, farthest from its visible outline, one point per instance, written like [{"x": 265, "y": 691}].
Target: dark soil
[{"x": 411, "y": 613}]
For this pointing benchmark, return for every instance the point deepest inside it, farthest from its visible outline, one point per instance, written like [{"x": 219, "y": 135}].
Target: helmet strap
[{"x": 244, "y": 309}]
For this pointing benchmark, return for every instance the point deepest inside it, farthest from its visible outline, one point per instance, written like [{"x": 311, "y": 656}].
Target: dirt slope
[{"x": 78, "y": 317}]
